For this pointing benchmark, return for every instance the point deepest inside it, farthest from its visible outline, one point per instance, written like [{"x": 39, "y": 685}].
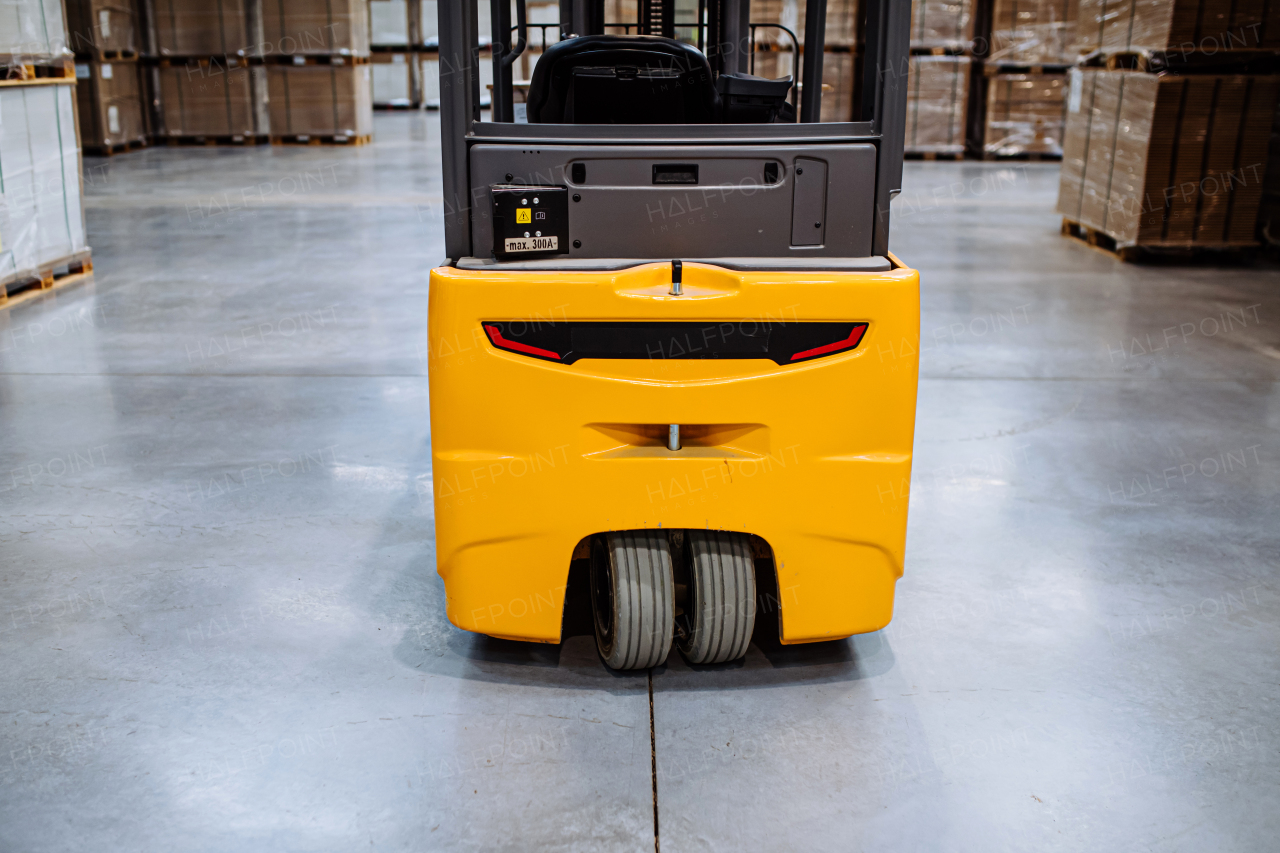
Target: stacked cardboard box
[
  {"x": 318, "y": 27},
  {"x": 1166, "y": 160},
  {"x": 106, "y": 29},
  {"x": 1269, "y": 217},
  {"x": 1025, "y": 114},
  {"x": 112, "y": 108},
  {"x": 112, "y": 115},
  {"x": 937, "y": 104},
  {"x": 939, "y": 77},
  {"x": 942, "y": 24},
  {"x": 200, "y": 28},
  {"x": 320, "y": 82},
  {"x": 41, "y": 211},
  {"x": 1207, "y": 26},
  {"x": 210, "y": 97},
  {"x": 1034, "y": 32},
  {"x": 395, "y": 32},
  {"x": 204, "y": 79},
  {"x": 775, "y": 55}
]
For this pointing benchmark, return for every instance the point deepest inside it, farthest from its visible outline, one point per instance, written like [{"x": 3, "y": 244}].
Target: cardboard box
[
  {"x": 103, "y": 29},
  {"x": 843, "y": 27},
  {"x": 1034, "y": 32},
  {"x": 321, "y": 100},
  {"x": 32, "y": 30},
  {"x": 313, "y": 27},
  {"x": 1164, "y": 159},
  {"x": 202, "y": 28},
  {"x": 209, "y": 98},
  {"x": 41, "y": 217},
  {"x": 1208, "y": 26},
  {"x": 942, "y": 23},
  {"x": 109, "y": 99},
  {"x": 1025, "y": 114},
  {"x": 937, "y": 104}
]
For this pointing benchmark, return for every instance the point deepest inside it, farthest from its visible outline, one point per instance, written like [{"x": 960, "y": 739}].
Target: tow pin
[{"x": 677, "y": 273}]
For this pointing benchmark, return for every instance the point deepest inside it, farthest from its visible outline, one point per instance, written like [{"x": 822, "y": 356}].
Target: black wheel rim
[{"x": 602, "y": 595}]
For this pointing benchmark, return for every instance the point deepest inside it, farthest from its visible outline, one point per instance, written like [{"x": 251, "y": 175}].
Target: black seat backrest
[{"x": 610, "y": 79}]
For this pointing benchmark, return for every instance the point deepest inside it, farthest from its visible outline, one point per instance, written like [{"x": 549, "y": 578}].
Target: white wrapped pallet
[
  {"x": 41, "y": 214},
  {"x": 32, "y": 30}
]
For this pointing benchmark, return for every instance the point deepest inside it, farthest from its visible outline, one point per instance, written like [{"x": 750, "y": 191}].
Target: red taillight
[
  {"x": 496, "y": 338},
  {"x": 826, "y": 349}
]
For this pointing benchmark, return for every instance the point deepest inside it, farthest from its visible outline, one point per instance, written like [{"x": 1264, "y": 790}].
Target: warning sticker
[
  {"x": 523, "y": 215},
  {"x": 532, "y": 244}
]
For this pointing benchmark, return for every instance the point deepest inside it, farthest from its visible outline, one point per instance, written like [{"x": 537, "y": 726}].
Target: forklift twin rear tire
[
  {"x": 720, "y": 614},
  {"x": 632, "y": 597}
]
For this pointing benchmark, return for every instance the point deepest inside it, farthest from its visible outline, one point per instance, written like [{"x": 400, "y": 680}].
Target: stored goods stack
[
  {"x": 779, "y": 45},
  {"x": 319, "y": 77},
  {"x": 1269, "y": 217},
  {"x": 1030, "y": 46},
  {"x": 1173, "y": 160},
  {"x": 428, "y": 56},
  {"x": 104, "y": 36},
  {"x": 395, "y": 27},
  {"x": 941, "y": 66},
  {"x": 42, "y": 238},
  {"x": 207, "y": 84}
]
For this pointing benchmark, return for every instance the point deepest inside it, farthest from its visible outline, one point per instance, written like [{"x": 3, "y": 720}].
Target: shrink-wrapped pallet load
[
  {"x": 942, "y": 24},
  {"x": 210, "y": 98},
  {"x": 322, "y": 100},
  {"x": 41, "y": 217},
  {"x": 937, "y": 104},
  {"x": 1034, "y": 32},
  {"x": 32, "y": 30},
  {"x": 1166, "y": 160},
  {"x": 204, "y": 28},
  {"x": 318, "y": 27},
  {"x": 1206, "y": 26},
  {"x": 1025, "y": 114}
]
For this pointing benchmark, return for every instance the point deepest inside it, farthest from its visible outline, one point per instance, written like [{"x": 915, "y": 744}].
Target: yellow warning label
[{"x": 524, "y": 215}]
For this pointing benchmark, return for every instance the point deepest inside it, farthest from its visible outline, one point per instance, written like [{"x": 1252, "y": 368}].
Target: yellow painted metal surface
[{"x": 531, "y": 456}]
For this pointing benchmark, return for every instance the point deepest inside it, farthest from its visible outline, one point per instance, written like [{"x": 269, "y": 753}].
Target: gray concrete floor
[{"x": 222, "y": 628}]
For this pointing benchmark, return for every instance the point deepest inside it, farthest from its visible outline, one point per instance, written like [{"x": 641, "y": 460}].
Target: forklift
[{"x": 669, "y": 339}]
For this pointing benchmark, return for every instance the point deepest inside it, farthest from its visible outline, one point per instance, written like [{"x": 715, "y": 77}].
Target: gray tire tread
[
  {"x": 723, "y": 574},
  {"x": 644, "y": 591}
]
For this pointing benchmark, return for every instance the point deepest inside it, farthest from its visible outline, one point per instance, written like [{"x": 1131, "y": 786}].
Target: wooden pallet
[
  {"x": 52, "y": 277},
  {"x": 1028, "y": 156},
  {"x": 320, "y": 139},
  {"x": 1104, "y": 242},
  {"x": 28, "y": 73},
  {"x": 117, "y": 148},
  {"x": 934, "y": 155},
  {"x": 397, "y": 107},
  {"x": 316, "y": 59},
  {"x": 956, "y": 49},
  {"x": 991, "y": 69},
  {"x": 238, "y": 139}
]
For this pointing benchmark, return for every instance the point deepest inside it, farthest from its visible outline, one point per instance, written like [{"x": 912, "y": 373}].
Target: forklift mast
[{"x": 667, "y": 149}]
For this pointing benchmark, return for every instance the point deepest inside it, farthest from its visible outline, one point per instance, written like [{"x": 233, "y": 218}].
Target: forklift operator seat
[{"x": 613, "y": 79}]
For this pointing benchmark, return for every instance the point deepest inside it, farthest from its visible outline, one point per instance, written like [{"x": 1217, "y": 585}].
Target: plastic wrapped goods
[
  {"x": 942, "y": 23},
  {"x": 41, "y": 217},
  {"x": 1206, "y": 26},
  {"x": 1165, "y": 159},
  {"x": 1025, "y": 114},
  {"x": 937, "y": 104},
  {"x": 32, "y": 30},
  {"x": 1034, "y": 32}
]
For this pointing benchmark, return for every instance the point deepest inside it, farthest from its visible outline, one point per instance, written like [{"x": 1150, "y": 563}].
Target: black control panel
[{"x": 530, "y": 221}]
